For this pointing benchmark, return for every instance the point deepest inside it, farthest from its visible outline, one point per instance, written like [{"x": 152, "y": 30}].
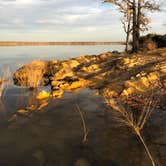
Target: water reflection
[{"x": 53, "y": 135}]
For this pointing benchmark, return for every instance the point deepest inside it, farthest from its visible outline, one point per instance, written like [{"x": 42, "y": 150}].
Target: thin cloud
[{"x": 63, "y": 20}]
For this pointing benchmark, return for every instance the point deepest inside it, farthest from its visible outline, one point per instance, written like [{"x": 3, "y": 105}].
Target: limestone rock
[
  {"x": 43, "y": 95},
  {"x": 57, "y": 93},
  {"x": 30, "y": 75}
]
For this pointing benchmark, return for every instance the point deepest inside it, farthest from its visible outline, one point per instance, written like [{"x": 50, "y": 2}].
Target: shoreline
[
  {"x": 114, "y": 74},
  {"x": 80, "y": 43}
]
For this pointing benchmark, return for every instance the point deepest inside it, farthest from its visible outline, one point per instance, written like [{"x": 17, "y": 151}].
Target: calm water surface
[
  {"x": 14, "y": 57},
  {"x": 52, "y": 136}
]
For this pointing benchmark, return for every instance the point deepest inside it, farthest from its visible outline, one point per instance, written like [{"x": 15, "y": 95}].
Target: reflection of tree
[{"x": 33, "y": 103}]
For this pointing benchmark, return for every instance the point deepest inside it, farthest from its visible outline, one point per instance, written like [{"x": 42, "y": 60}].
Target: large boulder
[{"x": 31, "y": 75}]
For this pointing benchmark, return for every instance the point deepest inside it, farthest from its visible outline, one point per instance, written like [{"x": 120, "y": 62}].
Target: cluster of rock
[{"x": 113, "y": 74}]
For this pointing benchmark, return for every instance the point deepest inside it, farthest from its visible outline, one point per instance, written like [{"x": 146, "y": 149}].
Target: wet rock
[
  {"x": 43, "y": 95},
  {"x": 22, "y": 111},
  {"x": 57, "y": 93}
]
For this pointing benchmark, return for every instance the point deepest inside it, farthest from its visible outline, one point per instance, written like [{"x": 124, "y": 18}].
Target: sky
[{"x": 65, "y": 20}]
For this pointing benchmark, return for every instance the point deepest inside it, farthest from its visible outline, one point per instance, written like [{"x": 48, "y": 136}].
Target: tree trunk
[
  {"x": 135, "y": 39},
  {"x": 138, "y": 22},
  {"x": 128, "y": 32}
]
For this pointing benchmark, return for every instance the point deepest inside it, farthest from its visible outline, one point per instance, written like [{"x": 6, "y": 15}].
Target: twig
[{"x": 85, "y": 129}]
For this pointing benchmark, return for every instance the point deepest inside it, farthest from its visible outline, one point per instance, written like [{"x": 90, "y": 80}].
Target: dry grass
[
  {"x": 85, "y": 129},
  {"x": 4, "y": 81},
  {"x": 31, "y": 75},
  {"x": 136, "y": 124}
]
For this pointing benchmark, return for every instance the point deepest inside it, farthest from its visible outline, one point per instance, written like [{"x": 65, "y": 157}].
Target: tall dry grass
[
  {"x": 85, "y": 129},
  {"x": 4, "y": 81},
  {"x": 31, "y": 75},
  {"x": 136, "y": 124}
]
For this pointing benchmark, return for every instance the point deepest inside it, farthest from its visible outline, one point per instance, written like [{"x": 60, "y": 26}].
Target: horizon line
[{"x": 44, "y": 43}]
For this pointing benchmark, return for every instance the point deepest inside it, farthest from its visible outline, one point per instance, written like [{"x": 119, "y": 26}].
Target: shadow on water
[{"x": 53, "y": 135}]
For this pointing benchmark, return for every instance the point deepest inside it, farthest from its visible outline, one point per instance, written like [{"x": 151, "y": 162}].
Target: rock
[
  {"x": 57, "y": 93},
  {"x": 104, "y": 56},
  {"x": 82, "y": 162},
  {"x": 127, "y": 92},
  {"x": 22, "y": 111},
  {"x": 91, "y": 68},
  {"x": 78, "y": 84},
  {"x": 141, "y": 83},
  {"x": 64, "y": 72},
  {"x": 109, "y": 93},
  {"x": 30, "y": 75},
  {"x": 164, "y": 83},
  {"x": 43, "y": 95},
  {"x": 153, "y": 76},
  {"x": 163, "y": 68},
  {"x": 73, "y": 63}
]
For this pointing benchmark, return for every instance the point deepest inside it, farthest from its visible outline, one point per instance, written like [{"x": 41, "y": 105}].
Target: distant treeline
[{"x": 20, "y": 43}]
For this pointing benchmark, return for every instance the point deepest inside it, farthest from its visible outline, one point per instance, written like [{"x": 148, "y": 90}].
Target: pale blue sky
[{"x": 65, "y": 20}]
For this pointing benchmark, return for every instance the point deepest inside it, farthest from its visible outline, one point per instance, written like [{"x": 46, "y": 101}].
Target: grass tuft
[{"x": 136, "y": 124}]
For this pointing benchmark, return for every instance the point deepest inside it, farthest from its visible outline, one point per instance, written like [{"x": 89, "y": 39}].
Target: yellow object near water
[{"x": 43, "y": 95}]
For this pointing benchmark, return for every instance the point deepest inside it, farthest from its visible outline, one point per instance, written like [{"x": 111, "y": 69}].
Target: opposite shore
[{"x": 23, "y": 43}]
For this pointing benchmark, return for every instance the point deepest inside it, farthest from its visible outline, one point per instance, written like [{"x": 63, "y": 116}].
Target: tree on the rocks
[{"x": 134, "y": 17}]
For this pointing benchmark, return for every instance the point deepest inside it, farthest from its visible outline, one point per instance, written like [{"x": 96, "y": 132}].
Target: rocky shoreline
[{"x": 113, "y": 74}]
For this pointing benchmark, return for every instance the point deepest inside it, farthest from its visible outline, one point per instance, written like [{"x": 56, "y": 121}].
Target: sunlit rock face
[
  {"x": 113, "y": 74},
  {"x": 31, "y": 75}
]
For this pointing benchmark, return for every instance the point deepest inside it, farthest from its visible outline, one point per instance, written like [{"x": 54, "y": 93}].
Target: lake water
[
  {"x": 15, "y": 57},
  {"x": 53, "y": 134}
]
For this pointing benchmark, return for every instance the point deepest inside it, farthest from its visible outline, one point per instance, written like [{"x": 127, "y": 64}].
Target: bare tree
[
  {"x": 124, "y": 7},
  {"x": 137, "y": 21}
]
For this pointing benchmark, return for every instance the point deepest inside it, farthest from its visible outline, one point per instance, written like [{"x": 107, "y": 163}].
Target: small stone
[
  {"x": 43, "y": 95},
  {"x": 22, "y": 111},
  {"x": 57, "y": 94}
]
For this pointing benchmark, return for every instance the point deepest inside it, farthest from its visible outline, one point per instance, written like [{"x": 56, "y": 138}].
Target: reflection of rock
[{"x": 82, "y": 162}]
